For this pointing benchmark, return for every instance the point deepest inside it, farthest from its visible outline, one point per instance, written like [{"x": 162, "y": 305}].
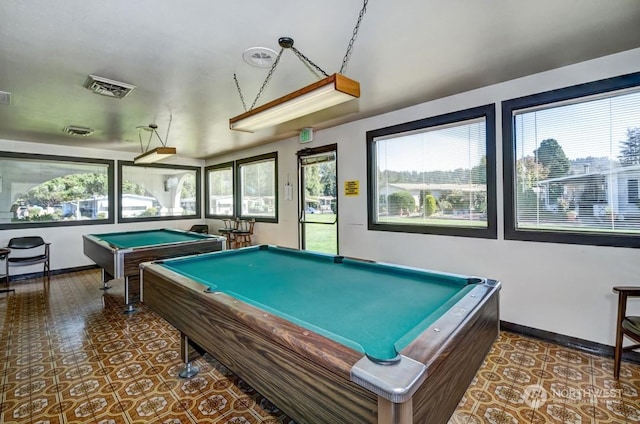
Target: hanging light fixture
[
  {"x": 325, "y": 93},
  {"x": 320, "y": 95},
  {"x": 157, "y": 154}
]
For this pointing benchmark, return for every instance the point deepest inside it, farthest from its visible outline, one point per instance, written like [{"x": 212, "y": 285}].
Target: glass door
[{"x": 318, "y": 207}]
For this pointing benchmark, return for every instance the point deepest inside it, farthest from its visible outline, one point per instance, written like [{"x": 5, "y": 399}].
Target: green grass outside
[
  {"x": 441, "y": 222},
  {"x": 321, "y": 237}
]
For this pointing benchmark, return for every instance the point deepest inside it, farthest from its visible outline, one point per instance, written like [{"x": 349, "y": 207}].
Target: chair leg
[
  {"x": 8, "y": 289},
  {"x": 617, "y": 356}
]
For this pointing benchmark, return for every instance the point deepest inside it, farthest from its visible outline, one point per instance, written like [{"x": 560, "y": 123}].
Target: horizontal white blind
[
  {"x": 434, "y": 177},
  {"x": 220, "y": 191},
  {"x": 577, "y": 165},
  {"x": 257, "y": 188}
]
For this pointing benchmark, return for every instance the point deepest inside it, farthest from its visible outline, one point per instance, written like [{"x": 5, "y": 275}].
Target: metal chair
[
  {"x": 3, "y": 257},
  {"x": 625, "y": 326},
  {"x": 33, "y": 250}
]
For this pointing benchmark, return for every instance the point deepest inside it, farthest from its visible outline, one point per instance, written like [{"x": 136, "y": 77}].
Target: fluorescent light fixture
[
  {"x": 155, "y": 155},
  {"x": 320, "y": 95}
]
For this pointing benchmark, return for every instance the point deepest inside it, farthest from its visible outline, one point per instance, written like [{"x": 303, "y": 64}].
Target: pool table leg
[
  {"x": 394, "y": 413},
  {"x": 130, "y": 308},
  {"x": 189, "y": 369},
  {"x": 105, "y": 279}
]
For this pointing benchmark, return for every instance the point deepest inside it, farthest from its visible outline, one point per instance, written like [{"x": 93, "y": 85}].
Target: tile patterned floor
[{"x": 69, "y": 355}]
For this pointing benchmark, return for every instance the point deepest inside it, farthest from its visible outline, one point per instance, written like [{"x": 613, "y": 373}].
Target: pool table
[
  {"x": 330, "y": 339},
  {"x": 119, "y": 255}
]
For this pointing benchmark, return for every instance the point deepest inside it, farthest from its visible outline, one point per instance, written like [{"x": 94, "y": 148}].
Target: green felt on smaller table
[{"x": 133, "y": 239}]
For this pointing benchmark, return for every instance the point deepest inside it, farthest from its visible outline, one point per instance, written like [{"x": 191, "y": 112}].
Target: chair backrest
[
  {"x": 252, "y": 223},
  {"x": 246, "y": 226},
  {"x": 25, "y": 242},
  {"x": 200, "y": 228},
  {"x": 230, "y": 224}
]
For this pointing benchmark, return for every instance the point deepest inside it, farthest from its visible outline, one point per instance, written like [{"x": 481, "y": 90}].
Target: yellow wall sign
[{"x": 352, "y": 188}]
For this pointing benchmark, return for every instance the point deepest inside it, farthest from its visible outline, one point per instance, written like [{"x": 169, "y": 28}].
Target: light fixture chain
[
  {"x": 347, "y": 55},
  {"x": 244, "y": 105},
  {"x": 154, "y": 130},
  {"x": 266, "y": 80},
  {"x": 142, "y": 148},
  {"x": 166, "y": 139},
  {"x": 310, "y": 68},
  {"x": 307, "y": 61}
]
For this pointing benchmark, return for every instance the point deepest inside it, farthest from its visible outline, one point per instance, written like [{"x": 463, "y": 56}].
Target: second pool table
[
  {"x": 330, "y": 339},
  {"x": 120, "y": 254}
]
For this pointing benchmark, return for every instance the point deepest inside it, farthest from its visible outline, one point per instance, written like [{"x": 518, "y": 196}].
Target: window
[
  {"x": 158, "y": 192},
  {"x": 48, "y": 191},
  {"x": 572, "y": 164},
  {"x": 632, "y": 189},
  {"x": 219, "y": 189},
  {"x": 257, "y": 188},
  {"x": 435, "y": 175}
]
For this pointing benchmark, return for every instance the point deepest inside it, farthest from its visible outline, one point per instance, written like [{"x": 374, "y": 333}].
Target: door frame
[{"x": 311, "y": 151}]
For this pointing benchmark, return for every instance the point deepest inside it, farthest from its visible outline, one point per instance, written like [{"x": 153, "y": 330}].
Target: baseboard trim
[
  {"x": 31, "y": 275},
  {"x": 567, "y": 341}
]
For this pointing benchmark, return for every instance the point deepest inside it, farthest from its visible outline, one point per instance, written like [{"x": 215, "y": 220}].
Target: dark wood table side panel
[
  {"x": 100, "y": 254},
  {"x": 439, "y": 396},
  {"x": 133, "y": 259},
  {"x": 304, "y": 390}
]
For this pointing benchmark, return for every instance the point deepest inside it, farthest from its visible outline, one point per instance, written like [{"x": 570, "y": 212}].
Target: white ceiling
[{"x": 182, "y": 55}]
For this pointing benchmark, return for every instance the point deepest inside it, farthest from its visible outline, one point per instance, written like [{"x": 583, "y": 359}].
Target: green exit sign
[{"x": 306, "y": 135}]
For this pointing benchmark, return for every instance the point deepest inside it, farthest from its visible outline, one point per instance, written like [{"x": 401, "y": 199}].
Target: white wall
[
  {"x": 560, "y": 288},
  {"x": 285, "y": 232},
  {"x": 66, "y": 242}
]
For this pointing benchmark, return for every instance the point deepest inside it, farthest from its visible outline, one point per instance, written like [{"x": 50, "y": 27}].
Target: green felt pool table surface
[
  {"x": 374, "y": 308},
  {"x": 136, "y": 239}
]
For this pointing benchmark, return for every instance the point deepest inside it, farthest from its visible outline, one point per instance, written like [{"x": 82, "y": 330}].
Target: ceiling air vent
[
  {"x": 73, "y": 130},
  {"x": 107, "y": 87},
  {"x": 260, "y": 57}
]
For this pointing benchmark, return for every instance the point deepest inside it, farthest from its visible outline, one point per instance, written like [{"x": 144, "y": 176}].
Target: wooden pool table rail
[
  {"x": 125, "y": 263},
  {"x": 118, "y": 263}
]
